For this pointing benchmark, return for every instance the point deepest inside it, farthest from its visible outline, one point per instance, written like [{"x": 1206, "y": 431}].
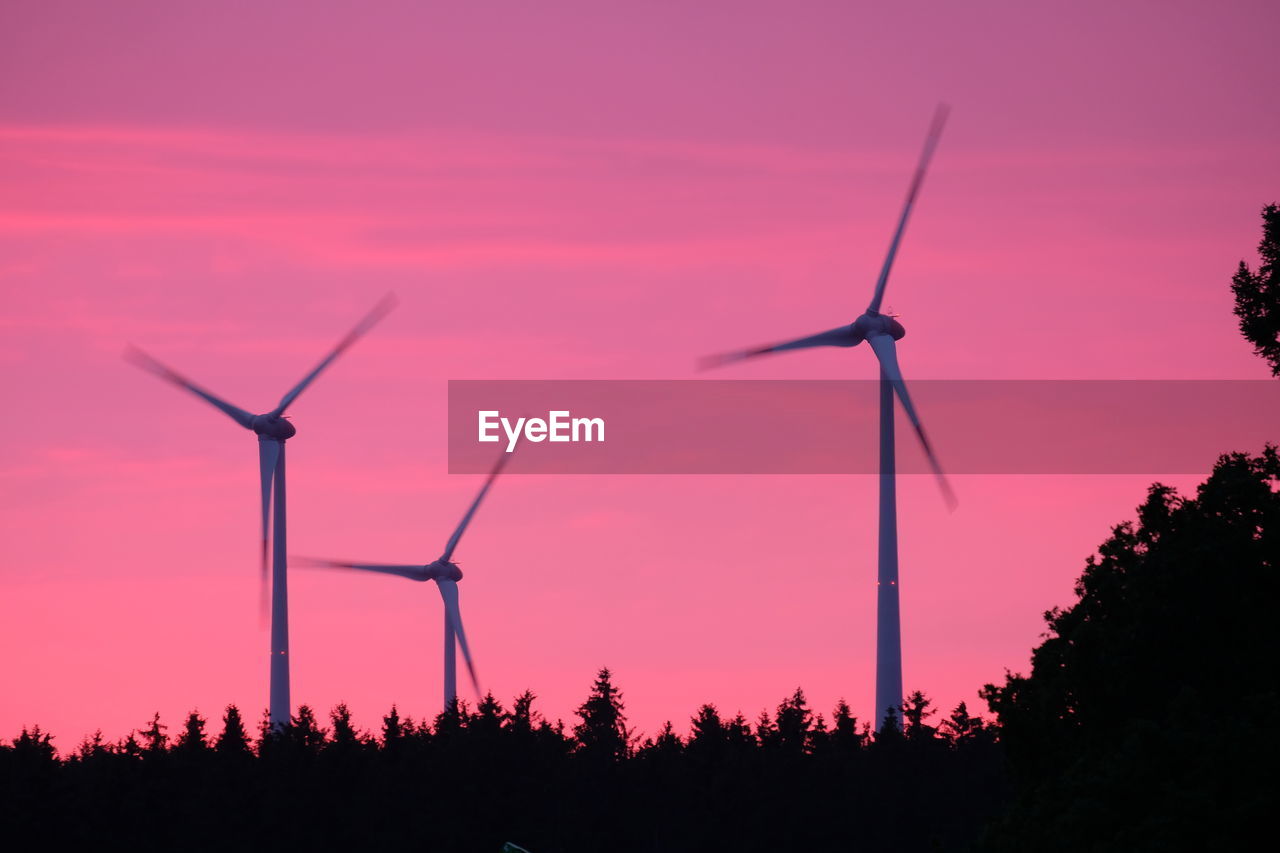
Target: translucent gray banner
[{"x": 832, "y": 427}]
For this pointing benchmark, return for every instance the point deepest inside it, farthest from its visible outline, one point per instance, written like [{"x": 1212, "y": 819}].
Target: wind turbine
[
  {"x": 446, "y": 574},
  {"x": 881, "y": 332},
  {"x": 273, "y": 429}
]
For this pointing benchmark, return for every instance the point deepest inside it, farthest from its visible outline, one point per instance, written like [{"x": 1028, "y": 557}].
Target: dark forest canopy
[{"x": 474, "y": 778}]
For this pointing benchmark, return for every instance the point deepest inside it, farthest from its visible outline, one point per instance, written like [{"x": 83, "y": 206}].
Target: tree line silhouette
[{"x": 474, "y": 778}]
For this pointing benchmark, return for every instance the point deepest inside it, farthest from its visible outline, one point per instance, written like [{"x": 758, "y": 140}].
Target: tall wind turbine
[
  {"x": 273, "y": 429},
  {"x": 446, "y": 574},
  {"x": 881, "y": 332}
]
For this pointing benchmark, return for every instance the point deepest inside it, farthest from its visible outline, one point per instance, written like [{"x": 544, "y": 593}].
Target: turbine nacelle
[
  {"x": 443, "y": 570},
  {"x": 271, "y": 426},
  {"x": 874, "y": 323}
]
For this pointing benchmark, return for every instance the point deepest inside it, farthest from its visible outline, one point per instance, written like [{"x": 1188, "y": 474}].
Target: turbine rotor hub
[
  {"x": 873, "y": 323},
  {"x": 444, "y": 570},
  {"x": 276, "y": 427}
]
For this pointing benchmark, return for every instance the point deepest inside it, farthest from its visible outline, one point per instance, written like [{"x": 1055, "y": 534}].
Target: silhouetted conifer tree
[
  {"x": 192, "y": 740},
  {"x": 766, "y": 732},
  {"x": 270, "y": 736},
  {"x": 737, "y": 734},
  {"x": 793, "y": 724},
  {"x": 963, "y": 729},
  {"x": 233, "y": 740},
  {"x": 844, "y": 737},
  {"x": 345, "y": 736},
  {"x": 603, "y": 731},
  {"x": 890, "y": 731},
  {"x": 523, "y": 718},
  {"x": 451, "y": 721},
  {"x": 392, "y": 730},
  {"x": 304, "y": 733},
  {"x": 93, "y": 747},
  {"x": 707, "y": 736},
  {"x": 154, "y": 739},
  {"x": 915, "y": 712},
  {"x": 667, "y": 741},
  {"x": 34, "y": 747},
  {"x": 129, "y": 746},
  {"x": 488, "y": 718}
]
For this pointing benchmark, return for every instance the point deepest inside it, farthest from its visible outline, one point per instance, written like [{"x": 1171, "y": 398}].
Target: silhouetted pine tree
[
  {"x": 845, "y": 737},
  {"x": 233, "y": 740},
  {"x": 915, "y": 712},
  {"x": 707, "y": 738},
  {"x": 793, "y": 724},
  {"x": 603, "y": 731},
  {"x": 304, "y": 733},
  {"x": 192, "y": 740},
  {"x": 737, "y": 734},
  {"x": 154, "y": 740},
  {"x": 486, "y": 723},
  {"x": 92, "y": 747},
  {"x": 963, "y": 730},
  {"x": 392, "y": 730},
  {"x": 766, "y": 734},
  {"x": 345, "y": 735}
]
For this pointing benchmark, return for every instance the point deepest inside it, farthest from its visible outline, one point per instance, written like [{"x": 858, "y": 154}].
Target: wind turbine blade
[
  {"x": 844, "y": 336},
  {"x": 384, "y": 306},
  {"x": 466, "y": 519},
  {"x": 268, "y": 460},
  {"x": 886, "y": 352},
  {"x": 149, "y": 364},
  {"x": 930, "y": 143},
  {"x": 416, "y": 573},
  {"x": 449, "y": 592}
]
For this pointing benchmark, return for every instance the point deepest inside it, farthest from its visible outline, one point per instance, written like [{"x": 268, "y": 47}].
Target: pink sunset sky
[{"x": 568, "y": 191}]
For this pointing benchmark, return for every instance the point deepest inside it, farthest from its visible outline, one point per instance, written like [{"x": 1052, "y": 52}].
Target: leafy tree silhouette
[
  {"x": 1258, "y": 293},
  {"x": 1116, "y": 738}
]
